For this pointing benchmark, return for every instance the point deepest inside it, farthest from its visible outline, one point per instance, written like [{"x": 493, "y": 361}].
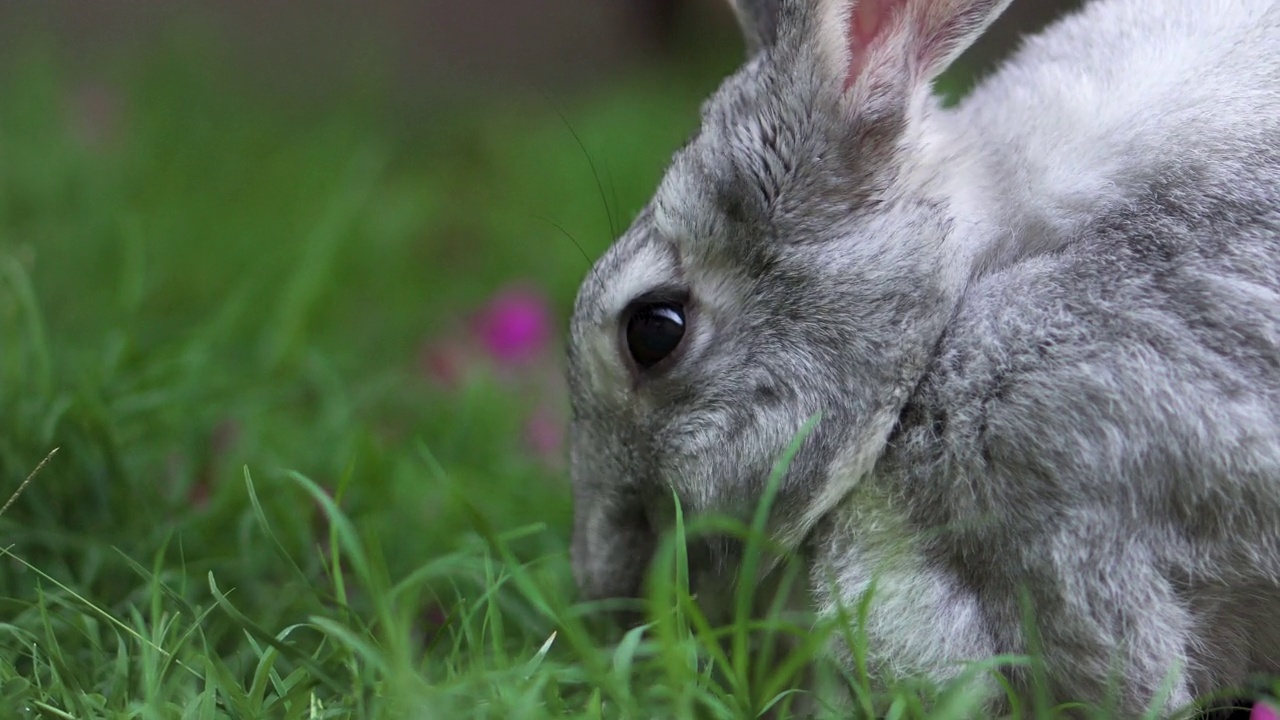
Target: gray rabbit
[{"x": 1040, "y": 333}]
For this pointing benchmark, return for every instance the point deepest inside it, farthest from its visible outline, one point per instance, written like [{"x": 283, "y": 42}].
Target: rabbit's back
[{"x": 1107, "y": 100}]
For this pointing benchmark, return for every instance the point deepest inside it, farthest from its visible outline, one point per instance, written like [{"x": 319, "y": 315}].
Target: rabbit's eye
[{"x": 654, "y": 331}]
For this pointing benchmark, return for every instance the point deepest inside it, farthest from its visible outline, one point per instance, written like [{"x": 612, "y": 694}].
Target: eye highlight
[{"x": 654, "y": 331}]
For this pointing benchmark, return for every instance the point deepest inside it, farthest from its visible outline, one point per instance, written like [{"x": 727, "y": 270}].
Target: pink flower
[
  {"x": 1263, "y": 711},
  {"x": 222, "y": 442},
  {"x": 435, "y": 619},
  {"x": 515, "y": 327},
  {"x": 444, "y": 362},
  {"x": 544, "y": 435},
  {"x": 198, "y": 497},
  {"x": 511, "y": 334}
]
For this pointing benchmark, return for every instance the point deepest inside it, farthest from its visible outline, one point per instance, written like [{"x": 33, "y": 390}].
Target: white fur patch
[{"x": 921, "y": 620}]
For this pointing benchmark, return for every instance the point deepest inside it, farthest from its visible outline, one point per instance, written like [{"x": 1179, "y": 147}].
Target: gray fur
[{"x": 1042, "y": 330}]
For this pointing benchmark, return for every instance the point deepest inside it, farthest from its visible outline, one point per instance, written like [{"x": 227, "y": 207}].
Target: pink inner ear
[{"x": 866, "y": 21}]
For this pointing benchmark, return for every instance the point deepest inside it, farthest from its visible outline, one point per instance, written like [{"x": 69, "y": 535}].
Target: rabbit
[{"x": 1034, "y": 339}]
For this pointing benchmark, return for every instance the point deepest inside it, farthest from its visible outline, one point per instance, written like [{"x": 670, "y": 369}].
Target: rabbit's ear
[
  {"x": 875, "y": 45},
  {"x": 759, "y": 21}
]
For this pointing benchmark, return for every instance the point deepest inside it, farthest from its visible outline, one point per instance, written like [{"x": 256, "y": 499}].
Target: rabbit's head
[{"x": 799, "y": 260}]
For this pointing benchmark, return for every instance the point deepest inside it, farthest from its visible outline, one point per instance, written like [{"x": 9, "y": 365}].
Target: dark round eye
[{"x": 654, "y": 331}]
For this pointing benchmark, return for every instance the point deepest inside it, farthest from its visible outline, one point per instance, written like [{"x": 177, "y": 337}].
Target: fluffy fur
[{"x": 1041, "y": 329}]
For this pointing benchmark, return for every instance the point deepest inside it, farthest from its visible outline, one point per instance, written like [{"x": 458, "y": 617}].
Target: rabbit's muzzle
[{"x": 613, "y": 545}]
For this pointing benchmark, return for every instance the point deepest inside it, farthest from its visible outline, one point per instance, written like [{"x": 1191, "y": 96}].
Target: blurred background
[
  {"x": 244, "y": 238},
  {"x": 417, "y": 49}
]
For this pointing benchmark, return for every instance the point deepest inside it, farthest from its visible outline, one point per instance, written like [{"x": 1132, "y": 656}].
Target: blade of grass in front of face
[
  {"x": 750, "y": 569},
  {"x": 668, "y": 586}
]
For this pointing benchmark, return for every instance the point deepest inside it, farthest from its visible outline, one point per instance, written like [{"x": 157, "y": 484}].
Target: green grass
[{"x": 230, "y": 296}]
